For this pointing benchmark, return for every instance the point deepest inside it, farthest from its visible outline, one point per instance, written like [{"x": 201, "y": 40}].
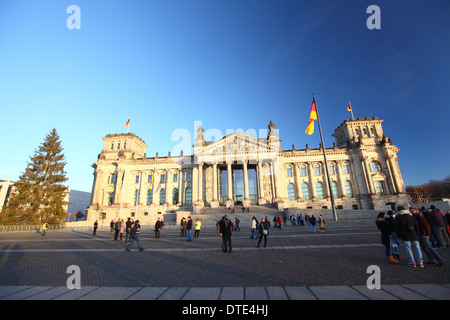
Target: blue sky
[{"x": 231, "y": 64}]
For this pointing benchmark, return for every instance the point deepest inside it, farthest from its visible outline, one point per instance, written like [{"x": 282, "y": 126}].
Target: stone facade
[{"x": 242, "y": 169}]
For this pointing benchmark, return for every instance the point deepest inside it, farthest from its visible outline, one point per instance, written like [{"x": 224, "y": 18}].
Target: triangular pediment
[{"x": 239, "y": 145}]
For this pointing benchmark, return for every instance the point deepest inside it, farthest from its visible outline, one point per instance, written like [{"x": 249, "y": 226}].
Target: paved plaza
[{"x": 295, "y": 265}]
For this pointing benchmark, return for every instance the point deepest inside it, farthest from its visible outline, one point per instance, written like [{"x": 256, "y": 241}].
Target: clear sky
[{"x": 231, "y": 64}]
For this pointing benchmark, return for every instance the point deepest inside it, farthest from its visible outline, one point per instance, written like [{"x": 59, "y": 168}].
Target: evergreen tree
[{"x": 40, "y": 192}]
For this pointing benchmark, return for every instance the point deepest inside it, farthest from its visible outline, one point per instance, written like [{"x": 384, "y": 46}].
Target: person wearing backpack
[{"x": 407, "y": 229}]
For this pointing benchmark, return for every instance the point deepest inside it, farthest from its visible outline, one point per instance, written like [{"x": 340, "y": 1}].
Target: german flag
[
  {"x": 312, "y": 117},
  {"x": 349, "y": 108},
  {"x": 153, "y": 178},
  {"x": 127, "y": 123}
]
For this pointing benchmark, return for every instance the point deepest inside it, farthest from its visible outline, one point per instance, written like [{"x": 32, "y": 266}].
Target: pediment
[
  {"x": 378, "y": 176},
  {"x": 237, "y": 144}
]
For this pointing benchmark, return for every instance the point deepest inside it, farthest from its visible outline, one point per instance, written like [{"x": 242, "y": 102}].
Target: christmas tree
[{"x": 40, "y": 193}]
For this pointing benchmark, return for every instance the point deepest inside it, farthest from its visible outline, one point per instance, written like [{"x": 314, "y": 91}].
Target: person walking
[
  {"x": 425, "y": 232},
  {"x": 111, "y": 225},
  {"x": 263, "y": 232},
  {"x": 321, "y": 224},
  {"x": 95, "y": 228},
  {"x": 188, "y": 229},
  {"x": 158, "y": 226},
  {"x": 217, "y": 224},
  {"x": 407, "y": 229},
  {"x": 312, "y": 222},
  {"x": 135, "y": 233},
  {"x": 383, "y": 225},
  {"x": 225, "y": 233},
  {"x": 236, "y": 223},
  {"x": 44, "y": 228},
  {"x": 197, "y": 227},
  {"x": 254, "y": 228},
  {"x": 128, "y": 227}
]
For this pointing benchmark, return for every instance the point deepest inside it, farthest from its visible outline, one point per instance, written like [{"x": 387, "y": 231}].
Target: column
[
  {"x": 392, "y": 174},
  {"x": 229, "y": 182},
  {"x": 340, "y": 178},
  {"x": 298, "y": 187},
  {"x": 180, "y": 186},
  {"x": 312, "y": 185},
  {"x": 214, "y": 182},
  {"x": 260, "y": 176},
  {"x": 246, "y": 190},
  {"x": 367, "y": 176},
  {"x": 200, "y": 182},
  {"x": 166, "y": 187}
]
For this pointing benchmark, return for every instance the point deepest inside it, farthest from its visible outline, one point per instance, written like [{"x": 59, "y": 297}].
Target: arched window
[
  {"x": 334, "y": 189},
  {"x": 175, "y": 196},
  {"x": 305, "y": 191},
  {"x": 188, "y": 196},
  {"x": 319, "y": 190},
  {"x": 162, "y": 196},
  {"x": 149, "y": 197},
  {"x": 375, "y": 166},
  {"x": 291, "y": 192},
  {"x": 348, "y": 189}
]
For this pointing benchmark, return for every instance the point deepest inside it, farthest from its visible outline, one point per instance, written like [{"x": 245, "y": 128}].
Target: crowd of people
[
  {"x": 420, "y": 230},
  {"x": 259, "y": 229}
]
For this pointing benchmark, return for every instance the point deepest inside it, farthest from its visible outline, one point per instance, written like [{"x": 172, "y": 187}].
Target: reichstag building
[{"x": 240, "y": 169}]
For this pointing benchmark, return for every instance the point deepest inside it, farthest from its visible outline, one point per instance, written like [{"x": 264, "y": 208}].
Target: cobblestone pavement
[{"x": 294, "y": 258}]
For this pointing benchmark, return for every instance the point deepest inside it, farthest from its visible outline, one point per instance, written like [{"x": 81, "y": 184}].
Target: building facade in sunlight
[{"x": 241, "y": 169}]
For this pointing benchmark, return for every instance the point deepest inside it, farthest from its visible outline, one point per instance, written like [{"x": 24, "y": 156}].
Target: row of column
[{"x": 198, "y": 182}]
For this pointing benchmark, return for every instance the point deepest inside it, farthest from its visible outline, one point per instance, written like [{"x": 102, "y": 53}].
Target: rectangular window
[
  {"x": 289, "y": 172},
  {"x": 331, "y": 169},
  {"x": 379, "y": 189},
  {"x": 137, "y": 179},
  {"x": 110, "y": 199},
  {"x": 303, "y": 172},
  {"x": 346, "y": 168},
  {"x": 163, "y": 178},
  {"x": 175, "y": 177},
  {"x": 317, "y": 171}
]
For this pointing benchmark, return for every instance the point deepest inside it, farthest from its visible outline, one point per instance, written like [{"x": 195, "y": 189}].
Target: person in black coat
[
  {"x": 407, "y": 229},
  {"x": 263, "y": 232},
  {"x": 225, "y": 232},
  {"x": 383, "y": 225}
]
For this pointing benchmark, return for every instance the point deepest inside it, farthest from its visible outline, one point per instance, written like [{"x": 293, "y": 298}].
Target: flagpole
[
  {"x": 121, "y": 194},
  {"x": 351, "y": 110},
  {"x": 326, "y": 164}
]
